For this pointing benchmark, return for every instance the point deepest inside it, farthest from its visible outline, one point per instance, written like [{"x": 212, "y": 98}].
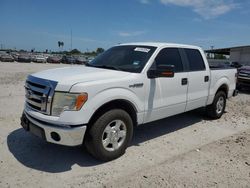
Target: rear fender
[{"x": 222, "y": 81}]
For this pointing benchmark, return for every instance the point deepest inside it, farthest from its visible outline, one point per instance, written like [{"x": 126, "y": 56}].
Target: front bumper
[
  {"x": 243, "y": 82},
  {"x": 68, "y": 136}
]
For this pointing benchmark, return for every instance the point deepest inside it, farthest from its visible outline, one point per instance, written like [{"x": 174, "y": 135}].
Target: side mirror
[{"x": 161, "y": 71}]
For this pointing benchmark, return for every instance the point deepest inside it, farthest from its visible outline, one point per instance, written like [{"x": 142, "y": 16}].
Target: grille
[
  {"x": 39, "y": 93},
  {"x": 244, "y": 74},
  {"x": 244, "y": 81}
]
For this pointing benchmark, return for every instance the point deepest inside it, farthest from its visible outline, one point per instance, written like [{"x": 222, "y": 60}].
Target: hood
[
  {"x": 68, "y": 76},
  {"x": 245, "y": 68}
]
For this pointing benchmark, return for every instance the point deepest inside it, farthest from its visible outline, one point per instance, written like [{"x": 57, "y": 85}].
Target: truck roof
[{"x": 162, "y": 44}]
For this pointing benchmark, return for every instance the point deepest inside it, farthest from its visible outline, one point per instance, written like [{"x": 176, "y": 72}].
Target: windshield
[{"x": 128, "y": 58}]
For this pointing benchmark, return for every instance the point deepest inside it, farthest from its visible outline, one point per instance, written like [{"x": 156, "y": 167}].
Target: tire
[
  {"x": 217, "y": 108},
  {"x": 109, "y": 136}
]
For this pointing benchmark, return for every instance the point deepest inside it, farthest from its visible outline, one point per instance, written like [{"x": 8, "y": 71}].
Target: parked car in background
[
  {"x": 69, "y": 59},
  {"x": 243, "y": 77},
  {"x": 33, "y": 57},
  {"x": 40, "y": 59},
  {"x": 236, "y": 65},
  {"x": 3, "y": 53},
  {"x": 24, "y": 58},
  {"x": 15, "y": 56},
  {"x": 81, "y": 60},
  {"x": 6, "y": 58},
  {"x": 54, "y": 59},
  {"x": 90, "y": 59}
]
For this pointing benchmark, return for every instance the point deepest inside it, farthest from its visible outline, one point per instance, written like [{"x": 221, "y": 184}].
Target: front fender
[{"x": 96, "y": 101}]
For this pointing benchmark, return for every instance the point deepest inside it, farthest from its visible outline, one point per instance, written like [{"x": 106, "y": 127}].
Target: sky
[{"x": 40, "y": 24}]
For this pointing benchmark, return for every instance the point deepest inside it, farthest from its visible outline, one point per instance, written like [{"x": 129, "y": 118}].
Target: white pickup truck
[{"x": 99, "y": 104}]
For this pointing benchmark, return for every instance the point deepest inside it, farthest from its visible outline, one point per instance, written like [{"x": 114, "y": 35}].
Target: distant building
[{"x": 240, "y": 54}]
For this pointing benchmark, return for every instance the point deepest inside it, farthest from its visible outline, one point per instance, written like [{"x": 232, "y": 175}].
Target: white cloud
[
  {"x": 206, "y": 8},
  {"x": 131, "y": 34}
]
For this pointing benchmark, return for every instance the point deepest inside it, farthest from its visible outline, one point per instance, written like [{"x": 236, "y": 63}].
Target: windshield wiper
[
  {"x": 104, "y": 66},
  {"x": 108, "y": 67}
]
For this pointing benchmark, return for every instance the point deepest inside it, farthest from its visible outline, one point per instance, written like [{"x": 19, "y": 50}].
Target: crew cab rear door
[{"x": 198, "y": 78}]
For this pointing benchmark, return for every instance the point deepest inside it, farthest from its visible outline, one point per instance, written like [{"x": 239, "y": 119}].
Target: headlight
[{"x": 67, "y": 102}]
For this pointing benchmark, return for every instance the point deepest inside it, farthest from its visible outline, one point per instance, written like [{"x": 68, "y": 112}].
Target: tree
[
  {"x": 60, "y": 44},
  {"x": 75, "y": 51},
  {"x": 94, "y": 53},
  {"x": 99, "y": 50}
]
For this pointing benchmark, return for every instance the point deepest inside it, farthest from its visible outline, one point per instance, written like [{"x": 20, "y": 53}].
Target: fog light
[{"x": 55, "y": 136}]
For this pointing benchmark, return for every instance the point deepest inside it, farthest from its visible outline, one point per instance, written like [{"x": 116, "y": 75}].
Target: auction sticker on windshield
[{"x": 139, "y": 49}]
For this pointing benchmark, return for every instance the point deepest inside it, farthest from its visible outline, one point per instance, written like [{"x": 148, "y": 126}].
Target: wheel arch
[
  {"x": 116, "y": 104},
  {"x": 224, "y": 87}
]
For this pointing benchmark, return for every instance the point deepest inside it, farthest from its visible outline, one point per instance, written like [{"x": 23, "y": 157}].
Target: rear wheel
[
  {"x": 217, "y": 108},
  {"x": 109, "y": 136}
]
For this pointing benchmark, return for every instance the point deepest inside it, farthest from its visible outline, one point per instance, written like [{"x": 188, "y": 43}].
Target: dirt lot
[{"x": 187, "y": 150}]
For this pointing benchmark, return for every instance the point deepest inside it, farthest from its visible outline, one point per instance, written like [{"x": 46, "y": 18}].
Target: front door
[{"x": 167, "y": 96}]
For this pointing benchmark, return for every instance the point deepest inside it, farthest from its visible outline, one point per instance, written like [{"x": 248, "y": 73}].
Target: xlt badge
[{"x": 136, "y": 85}]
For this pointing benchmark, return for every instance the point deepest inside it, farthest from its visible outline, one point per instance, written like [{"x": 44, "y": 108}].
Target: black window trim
[{"x": 184, "y": 60}]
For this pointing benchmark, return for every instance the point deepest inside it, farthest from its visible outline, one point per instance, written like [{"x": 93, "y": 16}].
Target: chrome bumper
[{"x": 68, "y": 136}]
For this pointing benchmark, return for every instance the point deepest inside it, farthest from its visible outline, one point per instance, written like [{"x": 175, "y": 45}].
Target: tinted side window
[
  {"x": 170, "y": 56},
  {"x": 195, "y": 59}
]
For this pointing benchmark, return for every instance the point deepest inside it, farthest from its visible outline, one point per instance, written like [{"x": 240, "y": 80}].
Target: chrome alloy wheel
[
  {"x": 114, "y": 135},
  {"x": 220, "y": 105}
]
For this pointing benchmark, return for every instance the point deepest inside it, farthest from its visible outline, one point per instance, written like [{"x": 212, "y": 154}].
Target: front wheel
[
  {"x": 109, "y": 136},
  {"x": 217, "y": 108}
]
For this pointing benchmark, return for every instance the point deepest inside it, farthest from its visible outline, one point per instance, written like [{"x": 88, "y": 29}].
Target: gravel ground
[{"x": 186, "y": 150}]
